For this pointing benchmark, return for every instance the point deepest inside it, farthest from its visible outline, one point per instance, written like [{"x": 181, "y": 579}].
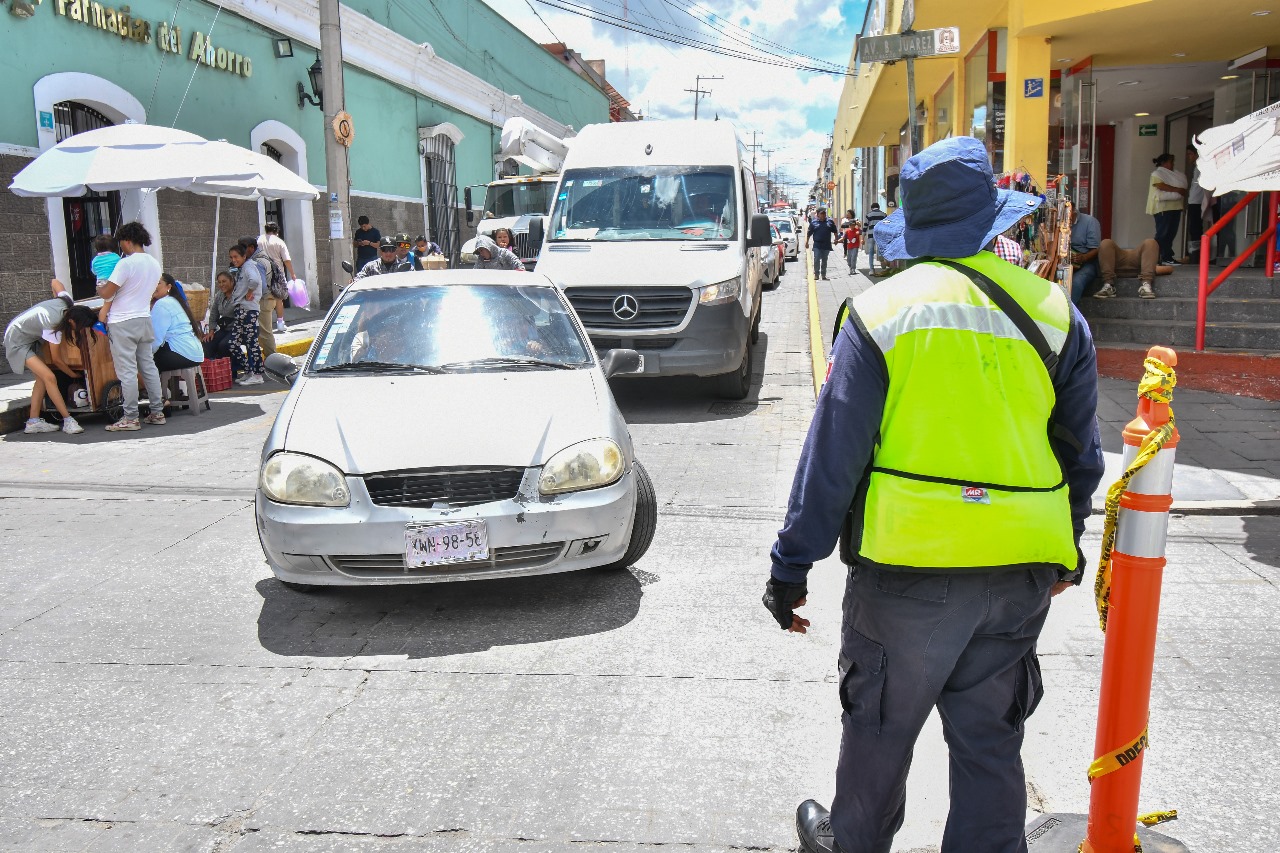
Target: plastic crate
[{"x": 217, "y": 373}]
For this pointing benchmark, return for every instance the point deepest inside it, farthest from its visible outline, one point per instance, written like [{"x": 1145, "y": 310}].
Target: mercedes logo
[{"x": 625, "y": 307}]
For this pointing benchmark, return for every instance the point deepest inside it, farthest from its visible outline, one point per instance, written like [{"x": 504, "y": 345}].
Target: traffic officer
[
  {"x": 386, "y": 262},
  {"x": 958, "y": 513},
  {"x": 821, "y": 232}
]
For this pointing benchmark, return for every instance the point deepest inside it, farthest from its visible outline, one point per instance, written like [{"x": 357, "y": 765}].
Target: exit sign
[{"x": 1146, "y": 130}]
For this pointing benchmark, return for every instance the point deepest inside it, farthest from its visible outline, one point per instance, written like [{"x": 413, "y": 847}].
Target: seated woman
[
  {"x": 22, "y": 349},
  {"x": 217, "y": 341},
  {"x": 174, "y": 345}
]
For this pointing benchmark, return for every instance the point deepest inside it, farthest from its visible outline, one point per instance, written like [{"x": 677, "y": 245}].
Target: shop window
[
  {"x": 91, "y": 214},
  {"x": 975, "y": 94},
  {"x": 942, "y": 111}
]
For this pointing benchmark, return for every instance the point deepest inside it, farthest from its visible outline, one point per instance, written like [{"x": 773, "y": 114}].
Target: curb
[
  {"x": 816, "y": 350},
  {"x": 293, "y": 349}
]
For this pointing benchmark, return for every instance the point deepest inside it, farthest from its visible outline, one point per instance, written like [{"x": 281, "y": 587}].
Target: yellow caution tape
[
  {"x": 1113, "y": 760},
  {"x": 1156, "y": 385},
  {"x": 1155, "y": 818}
]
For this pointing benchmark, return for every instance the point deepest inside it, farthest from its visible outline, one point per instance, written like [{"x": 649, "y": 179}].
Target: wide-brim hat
[{"x": 951, "y": 207}]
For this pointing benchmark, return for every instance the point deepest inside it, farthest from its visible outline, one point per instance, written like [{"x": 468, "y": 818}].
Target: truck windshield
[
  {"x": 507, "y": 200},
  {"x": 646, "y": 203}
]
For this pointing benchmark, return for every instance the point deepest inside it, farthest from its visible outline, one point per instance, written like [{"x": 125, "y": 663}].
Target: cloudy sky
[{"x": 792, "y": 110}]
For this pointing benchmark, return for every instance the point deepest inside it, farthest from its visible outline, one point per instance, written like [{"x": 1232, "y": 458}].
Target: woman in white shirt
[
  {"x": 128, "y": 314},
  {"x": 175, "y": 345}
]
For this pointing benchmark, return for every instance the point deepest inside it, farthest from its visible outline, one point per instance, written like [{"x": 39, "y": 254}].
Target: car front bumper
[
  {"x": 364, "y": 543},
  {"x": 712, "y": 342}
]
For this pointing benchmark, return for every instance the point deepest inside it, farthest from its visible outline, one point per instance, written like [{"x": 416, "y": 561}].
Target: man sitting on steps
[{"x": 1113, "y": 261}]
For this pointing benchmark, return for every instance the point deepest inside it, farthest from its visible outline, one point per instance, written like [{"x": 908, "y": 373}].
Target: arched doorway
[
  {"x": 440, "y": 185},
  {"x": 294, "y": 216},
  {"x": 91, "y": 214}
]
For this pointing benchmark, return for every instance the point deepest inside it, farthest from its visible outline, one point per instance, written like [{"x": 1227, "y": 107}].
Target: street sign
[
  {"x": 1146, "y": 130},
  {"x": 1033, "y": 87},
  {"x": 831, "y": 185},
  {"x": 896, "y": 46}
]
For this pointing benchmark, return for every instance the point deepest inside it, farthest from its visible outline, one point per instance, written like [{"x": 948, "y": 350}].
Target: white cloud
[{"x": 792, "y": 110}]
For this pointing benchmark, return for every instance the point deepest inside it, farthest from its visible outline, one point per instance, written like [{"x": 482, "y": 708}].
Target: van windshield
[{"x": 646, "y": 203}]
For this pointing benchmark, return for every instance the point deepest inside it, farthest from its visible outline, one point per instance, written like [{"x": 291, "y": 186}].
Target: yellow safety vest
[{"x": 963, "y": 475}]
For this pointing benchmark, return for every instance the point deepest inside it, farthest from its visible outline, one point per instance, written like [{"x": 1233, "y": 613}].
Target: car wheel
[
  {"x": 644, "y": 523},
  {"x": 737, "y": 385},
  {"x": 309, "y": 588}
]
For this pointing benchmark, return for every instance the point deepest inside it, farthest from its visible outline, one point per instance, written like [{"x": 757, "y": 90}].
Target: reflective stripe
[{"x": 980, "y": 319}]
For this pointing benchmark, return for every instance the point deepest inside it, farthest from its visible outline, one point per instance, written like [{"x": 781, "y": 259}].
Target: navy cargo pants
[{"x": 965, "y": 643}]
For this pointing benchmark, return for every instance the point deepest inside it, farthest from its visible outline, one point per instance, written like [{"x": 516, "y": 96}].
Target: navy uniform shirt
[
  {"x": 820, "y": 233},
  {"x": 842, "y": 438}
]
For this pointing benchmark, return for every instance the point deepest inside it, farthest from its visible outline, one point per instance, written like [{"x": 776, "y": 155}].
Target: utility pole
[
  {"x": 337, "y": 183},
  {"x": 698, "y": 92},
  {"x": 768, "y": 171},
  {"x": 753, "y": 146}
]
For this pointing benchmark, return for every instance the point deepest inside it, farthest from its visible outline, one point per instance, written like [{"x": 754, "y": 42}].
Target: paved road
[{"x": 159, "y": 691}]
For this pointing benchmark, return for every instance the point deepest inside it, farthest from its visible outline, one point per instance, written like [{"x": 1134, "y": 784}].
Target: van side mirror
[
  {"x": 759, "y": 235},
  {"x": 281, "y": 367},
  {"x": 616, "y": 362},
  {"x": 537, "y": 231},
  {"x": 466, "y": 200}
]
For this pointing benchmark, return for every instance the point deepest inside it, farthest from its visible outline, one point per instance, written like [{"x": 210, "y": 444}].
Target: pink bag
[{"x": 298, "y": 296}]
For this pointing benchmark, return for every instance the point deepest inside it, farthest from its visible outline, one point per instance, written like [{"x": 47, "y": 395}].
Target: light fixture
[
  {"x": 21, "y": 8},
  {"x": 284, "y": 48},
  {"x": 1179, "y": 54},
  {"x": 1180, "y": 98},
  {"x": 1141, "y": 115},
  {"x": 1230, "y": 76},
  {"x": 1128, "y": 82},
  {"x": 1261, "y": 12},
  {"x": 316, "y": 75},
  {"x": 1067, "y": 59}
]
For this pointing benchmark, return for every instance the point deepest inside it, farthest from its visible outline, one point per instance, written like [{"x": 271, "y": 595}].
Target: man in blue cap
[{"x": 957, "y": 511}]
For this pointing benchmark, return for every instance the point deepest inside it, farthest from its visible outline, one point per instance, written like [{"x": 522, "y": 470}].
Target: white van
[{"x": 655, "y": 238}]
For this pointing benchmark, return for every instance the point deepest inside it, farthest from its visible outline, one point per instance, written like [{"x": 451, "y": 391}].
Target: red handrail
[{"x": 1206, "y": 287}]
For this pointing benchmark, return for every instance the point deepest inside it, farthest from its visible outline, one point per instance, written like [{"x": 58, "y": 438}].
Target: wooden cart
[{"x": 91, "y": 353}]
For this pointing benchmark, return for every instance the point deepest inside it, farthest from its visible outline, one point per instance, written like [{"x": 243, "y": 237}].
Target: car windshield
[
  {"x": 451, "y": 328},
  {"x": 784, "y": 227},
  {"x": 507, "y": 200},
  {"x": 654, "y": 203}
]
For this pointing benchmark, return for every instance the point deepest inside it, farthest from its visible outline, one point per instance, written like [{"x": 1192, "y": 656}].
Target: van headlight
[
  {"x": 291, "y": 478},
  {"x": 585, "y": 465},
  {"x": 717, "y": 294}
]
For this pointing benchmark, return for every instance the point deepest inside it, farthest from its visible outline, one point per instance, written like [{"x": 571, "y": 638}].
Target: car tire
[
  {"x": 737, "y": 385},
  {"x": 643, "y": 524}
]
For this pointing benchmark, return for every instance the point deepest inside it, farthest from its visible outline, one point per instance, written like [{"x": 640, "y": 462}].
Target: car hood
[
  {"x": 367, "y": 424},
  {"x": 640, "y": 262}
]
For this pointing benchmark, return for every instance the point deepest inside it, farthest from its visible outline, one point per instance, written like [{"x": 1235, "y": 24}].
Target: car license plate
[{"x": 440, "y": 544}]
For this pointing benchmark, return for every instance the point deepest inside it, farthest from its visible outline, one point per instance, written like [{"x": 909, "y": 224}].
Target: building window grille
[
  {"x": 442, "y": 195},
  {"x": 91, "y": 214}
]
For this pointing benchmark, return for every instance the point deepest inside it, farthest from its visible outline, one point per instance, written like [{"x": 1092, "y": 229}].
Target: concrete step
[
  {"x": 1185, "y": 282},
  {"x": 1181, "y": 334},
  {"x": 1183, "y": 309}
]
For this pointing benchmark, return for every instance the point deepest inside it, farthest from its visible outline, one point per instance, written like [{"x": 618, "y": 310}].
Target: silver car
[{"x": 450, "y": 425}]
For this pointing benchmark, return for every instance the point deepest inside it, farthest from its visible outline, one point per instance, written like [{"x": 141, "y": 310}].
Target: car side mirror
[
  {"x": 617, "y": 362},
  {"x": 466, "y": 200},
  {"x": 537, "y": 231},
  {"x": 347, "y": 268},
  {"x": 759, "y": 235},
  {"x": 281, "y": 367}
]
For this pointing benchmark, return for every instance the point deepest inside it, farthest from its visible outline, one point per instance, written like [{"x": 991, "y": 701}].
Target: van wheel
[
  {"x": 645, "y": 522},
  {"x": 737, "y": 385}
]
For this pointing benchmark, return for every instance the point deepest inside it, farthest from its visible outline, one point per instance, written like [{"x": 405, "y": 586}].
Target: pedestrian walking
[
  {"x": 1165, "y": 196},
  {"x": 127, "y": 312},
  {"x": 820, "y": 233},
  {"x": 277, "y": 251},
  {"x": 22, "y": 339},
  {"x": 367, "y": 239},
  {"x": 852, "y": 242},
  {"x": 246, "y": 346},
  {"x": 874, "y": 217},
  {"x": 958, "y": 515},
  {"x": 271, "y": 295}
]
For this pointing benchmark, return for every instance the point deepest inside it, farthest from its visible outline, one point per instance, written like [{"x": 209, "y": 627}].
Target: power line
[
  {"x": 752, "y": 41},
  {"x": 664, "y": 35},
  {"x": 761, "y": 39}
]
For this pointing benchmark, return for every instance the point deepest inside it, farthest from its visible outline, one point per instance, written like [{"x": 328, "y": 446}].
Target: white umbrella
[
  {"x": 123, "y": 157},
  {"x": 267, "y": 178},
  {"x": 1243, "y": 155}
]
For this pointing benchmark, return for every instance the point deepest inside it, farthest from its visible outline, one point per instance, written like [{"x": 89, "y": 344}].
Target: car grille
[
  {"x": 520, "y": 244},
  {"x": 603, "y": 344},
  {"x": 457, "y": 487},
  {"x": 500, "y": 560},
  {"x": 658, "y": 307}
]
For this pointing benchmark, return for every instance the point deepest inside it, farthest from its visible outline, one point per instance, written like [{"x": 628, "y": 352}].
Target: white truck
[{"x": 515, "y": 201}]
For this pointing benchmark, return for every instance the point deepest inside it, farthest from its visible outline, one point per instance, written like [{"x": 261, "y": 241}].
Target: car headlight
[
  {"x": 291, "y": 478},
  {"x": 585, "y": 465},
  {"x": 716, "y": 294}
]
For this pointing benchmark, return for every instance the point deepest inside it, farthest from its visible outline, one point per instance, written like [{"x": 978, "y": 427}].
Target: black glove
[{"x": 780, "y": 597}]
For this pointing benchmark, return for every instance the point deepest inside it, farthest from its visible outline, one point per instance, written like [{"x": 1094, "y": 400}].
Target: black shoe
[{"x": 813, "y": 825}]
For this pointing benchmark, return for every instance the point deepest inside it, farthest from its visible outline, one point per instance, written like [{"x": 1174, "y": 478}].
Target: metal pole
[
  {"x": 335, "y": 153},
  {"x": 911, "y": 106}
]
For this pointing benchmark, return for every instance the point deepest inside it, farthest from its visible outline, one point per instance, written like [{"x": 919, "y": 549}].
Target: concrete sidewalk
[
  {"x": 1229, "y": 453},
  {"x": 15, "y": 389}
]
